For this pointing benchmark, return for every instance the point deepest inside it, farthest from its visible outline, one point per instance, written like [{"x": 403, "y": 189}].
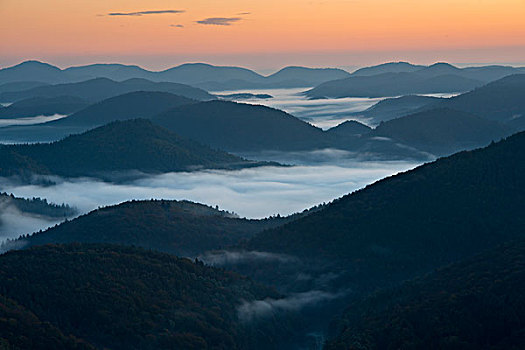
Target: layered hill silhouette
[
  {"x": 98, "y": 89},
  {"x": 474, "y": 304},
  {"x": 119, "y": 146},
  {"x": 180, "y": 228},
  {"x": 37, "y": 206},
  {"x": 350, "y": 128},
  {"x": 128, "y": 298},
  {"x": 38, "y": 106},
  {"x": 413, "y": 222},
  {"x": 443, "y": 131}
]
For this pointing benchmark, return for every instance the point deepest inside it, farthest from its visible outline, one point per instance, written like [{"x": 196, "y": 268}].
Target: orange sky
[{"x": 316, "y": 32}]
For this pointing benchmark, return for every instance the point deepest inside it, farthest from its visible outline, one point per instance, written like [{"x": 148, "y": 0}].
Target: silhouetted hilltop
[
  {"x": 474, "y": 304},
  {"x": 125, "y": 145},
  {"x": 302, "y": 76},
  {"x": 241, "y": 127},
  {"x": 390, "y": 67},
  {"x": 36, "y": 206},
  {"x": 128, "y": 298},
  {"x": 443, "y": 131},
  {"x": 102, "y": 88},
  {"x": 37, "y": 106},
  {"x": 350, "y": 128},
  {"x": 181, "y": 228},
  {"x": 392, "y": 108},
  {"x": 32, "y": 71}
]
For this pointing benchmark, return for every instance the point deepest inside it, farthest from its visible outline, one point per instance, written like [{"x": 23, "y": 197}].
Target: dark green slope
[
  {"x": 443, "y": 131},
  {"x": 475, "y": 304},
  {"x": 36, "y": 106},
  {"x": 125, "y": 145},
  {"x": 417, "y": 220},
  {"x": 20, "y": 329},
  {"x": 127, "y": 298},
  {"x": 36, "y": 206},
  {"x": 181, "y": 228},
  {"x": 102, "y": 88},
  {"x": 241, "y": 127}
]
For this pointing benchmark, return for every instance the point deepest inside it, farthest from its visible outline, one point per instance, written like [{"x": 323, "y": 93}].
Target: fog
[
  {"x": 325, "y": 113},
  {"x": 224, "y": 257},
  {"x": 253, "y": 193},
  {"x": 250, "y": 311},
  {"x": 31, "y": 120}
]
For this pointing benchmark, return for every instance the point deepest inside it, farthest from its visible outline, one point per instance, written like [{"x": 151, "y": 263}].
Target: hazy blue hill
[
  {"x": 117, "y": 72},
  {"x": 392, "y": 84},
  {"x": 391, "y": 67},
  {"x": 350, "y": 127},
  {"x": 20, "y": 86},
  {"x": 101, "y": 88},
  {"x": 32, "y": 71},
  {"x": 443, "y": 131},
  {"x": 415, "y": 221},
  {"x": 474, "y": 304},
  {"x": 244, "y": 96},
  {"x": 241, "y": 127},
  {"x": 128, "y": 298},
  {"x": 392, "y": 108},
  {"x": 119, "y": 146},
  {"x": 36, "y": 106},
  {"x": 21, "y": 329},
  {"x": 139, "y": 104},
  {"x": 193, "y": 73},
  {"x": 180, "y": 228},
  {"x": 500, "y": 100},
  {"x": 306, "y": 76}
]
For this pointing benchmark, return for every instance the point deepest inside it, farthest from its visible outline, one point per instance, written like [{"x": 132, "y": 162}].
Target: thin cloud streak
[
  {"x": 219, "y": 21},
  {"x": 141, "y": 13}
]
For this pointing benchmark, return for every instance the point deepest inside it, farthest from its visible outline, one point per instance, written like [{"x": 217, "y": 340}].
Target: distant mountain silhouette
[
  {"x": 392, "y": 108},
  {"x": 350, "y": 127},
  {"x": 20, "y": 86},
  {"x": 392, "y": 84},
  {"x": 180, "y": 228},
  {"x": 413, "y": 222},
  {"x": 101, "y": 88},
  {"x": 128, "y": 298},
  {"x": 391, "y": 67},
  {"x": 443, "y": 131},
  {"x": 302, "y": 76},
  {"x": 36, "y": 106},
  {"x": 244, "y": 96},
  {"x": 473, "y": 304},
  {"x": 32, "y": 71},
  {"x": 119, "y": 146}
]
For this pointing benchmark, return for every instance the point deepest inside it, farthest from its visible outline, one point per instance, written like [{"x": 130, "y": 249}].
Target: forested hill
[
  {"x": 177, "y": 227},
  {"x": 127, "y": 298},
  {"x": 37, "y": 206},
  {"x": 416, "y": 220},
  {"x": 475, "y": 304},
  {"x": 126, "y": 145}
]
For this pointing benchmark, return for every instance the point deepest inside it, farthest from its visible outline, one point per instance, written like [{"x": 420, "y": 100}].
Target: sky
[{"x": 262, "y": 35}]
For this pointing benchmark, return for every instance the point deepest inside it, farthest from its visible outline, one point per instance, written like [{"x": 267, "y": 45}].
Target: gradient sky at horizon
[{"x": 262, "y": 35}]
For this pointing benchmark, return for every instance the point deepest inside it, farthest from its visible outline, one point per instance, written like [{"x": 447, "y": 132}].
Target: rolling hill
[
  {"x": 98, "y": 89},
  {"x": 128, "y": 298},
  {"x": 180, "y": 228},
  {"x": 473, "y": 304},
  {"x": 37, "y": 106},
  {"x": 415, "y": 221},
  {"x": 120, "y": 146},
  {"x": 443, "y": 131}
]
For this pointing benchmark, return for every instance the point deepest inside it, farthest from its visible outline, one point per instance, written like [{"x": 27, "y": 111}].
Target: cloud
[
  {"x": 244, "y": 13},
  {"x": 219, "y": 21},
  {"x": 141, "y": 13},
  {"x": 221, "y": 258},
  {"x": 250, "y": 311},
  {"x": 176, "y": 25}
]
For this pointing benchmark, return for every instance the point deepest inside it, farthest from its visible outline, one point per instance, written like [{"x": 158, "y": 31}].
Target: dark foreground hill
[
  {"x": 127, "y": 298},
  {"x": 98, "y": 89},
  {"x": 181, "y": 228},
  {"x": 120, "y": 146},
  {"x": 415, "y": 221},
  {"x": 475, "y": 304},
  {"x": 443, "y": 131}
]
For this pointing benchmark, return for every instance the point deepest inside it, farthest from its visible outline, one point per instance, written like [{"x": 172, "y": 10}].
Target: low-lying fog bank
[{"x": 252, "y": 193}]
